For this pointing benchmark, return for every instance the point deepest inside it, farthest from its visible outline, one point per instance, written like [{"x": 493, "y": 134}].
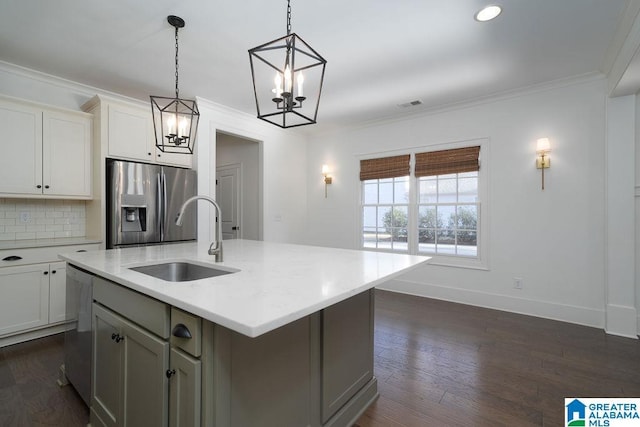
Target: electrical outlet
[
  {"x": 25, "y": 217},
  {"x": 517, "y": 283}
]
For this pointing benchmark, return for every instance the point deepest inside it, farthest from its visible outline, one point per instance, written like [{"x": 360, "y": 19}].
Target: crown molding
[
  {"x": 472, "y": 103},
  {"x": 78, "y": 88}
]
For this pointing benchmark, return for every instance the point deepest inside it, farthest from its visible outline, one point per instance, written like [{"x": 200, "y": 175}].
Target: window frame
[{"x": 481, "y": 261}]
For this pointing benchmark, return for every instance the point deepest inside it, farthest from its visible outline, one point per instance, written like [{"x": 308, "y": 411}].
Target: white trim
[
  {"x": 79, "y": 88},
  {"x": 620, "y": 321},
  {"x": 627, "y": 50},
  {"x": 469, "y": 103},
  {"x": 482, "y": 261},
  {"x": 544, "y": 309},
  {"x": 622, "y": 41},
  {"x": 33, "y": 334}
]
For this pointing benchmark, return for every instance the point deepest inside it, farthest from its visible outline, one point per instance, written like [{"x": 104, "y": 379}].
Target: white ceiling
[{"x": 379, "y": 53}]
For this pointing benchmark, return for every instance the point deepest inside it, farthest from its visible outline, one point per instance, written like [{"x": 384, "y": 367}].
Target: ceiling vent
[{"x": 413, "y": 103}]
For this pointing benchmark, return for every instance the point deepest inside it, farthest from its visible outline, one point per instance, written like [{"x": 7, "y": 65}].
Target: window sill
[{"x": 444, "y": 261}]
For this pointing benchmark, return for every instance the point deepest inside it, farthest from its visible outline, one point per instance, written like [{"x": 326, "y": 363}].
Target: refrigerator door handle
[
  {"x": 159, "y": 207},
  {"x": 164, "y": 203}
]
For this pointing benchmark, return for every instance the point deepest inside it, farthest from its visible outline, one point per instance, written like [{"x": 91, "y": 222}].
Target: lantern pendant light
[
  {"x": 175, "y": 120},
  {"x": 287, "y": 78}
]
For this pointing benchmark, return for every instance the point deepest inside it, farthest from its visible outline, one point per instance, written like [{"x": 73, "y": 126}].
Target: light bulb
[
  {"x": 300, "y": 80},
  {"x": 183, "y": 127},
  {"x": 171, "y": 124},
  {"x": 278, "y": 82},
  {"x": 287, "y": 79}
]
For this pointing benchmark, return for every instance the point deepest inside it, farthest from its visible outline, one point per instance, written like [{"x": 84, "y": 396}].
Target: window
[
  {"x": 385, "y": 202},
  {"x": 385, "y": 213},
  {"x": 430, "y": 203},
  {"x": 448, "y": 201},
  {"x": 448, "y": 214}
]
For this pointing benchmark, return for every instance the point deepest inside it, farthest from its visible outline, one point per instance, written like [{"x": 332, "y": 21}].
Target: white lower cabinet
[
  {"x": 25, "y": 301},
  {"x": 33, "y": 286},
  {"x": 35, "y": 296},
  {"x": 130, "y": 385},
  {"x": 57, "y": 289}
]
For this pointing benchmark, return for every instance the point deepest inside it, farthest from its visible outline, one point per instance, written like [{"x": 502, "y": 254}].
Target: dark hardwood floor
[
  {"x": 446, "y": 364},
  {"x": 437, "y": 363},
  {"x": 29, "y": 393}
]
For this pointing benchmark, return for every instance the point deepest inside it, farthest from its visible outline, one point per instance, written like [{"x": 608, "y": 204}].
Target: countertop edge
[{"x": 250, "y": 329}]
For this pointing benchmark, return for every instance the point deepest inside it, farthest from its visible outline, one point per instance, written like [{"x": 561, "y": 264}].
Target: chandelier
[
  {"x": 175, "y": 120},
  {"x": 287, "y": 78}
]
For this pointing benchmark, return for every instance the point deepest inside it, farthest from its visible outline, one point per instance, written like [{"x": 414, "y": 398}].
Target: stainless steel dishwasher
[{"x": 77, "y": 339}]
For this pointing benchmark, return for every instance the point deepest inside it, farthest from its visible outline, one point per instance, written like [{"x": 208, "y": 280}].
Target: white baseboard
[
  {"x": 622, "y": 320},
  {"x": 33, "y": 334},
  {"x": 547, "y": 310}
]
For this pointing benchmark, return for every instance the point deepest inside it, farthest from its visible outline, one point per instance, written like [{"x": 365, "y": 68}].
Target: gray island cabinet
[{"x": 290, "y": 344}]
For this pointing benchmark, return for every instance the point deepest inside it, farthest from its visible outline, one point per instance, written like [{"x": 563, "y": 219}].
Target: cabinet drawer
[
  {"x": 147, "y": 312},
  {"x": 181, "y": 320},
  {"x": 13, "y": 257}
]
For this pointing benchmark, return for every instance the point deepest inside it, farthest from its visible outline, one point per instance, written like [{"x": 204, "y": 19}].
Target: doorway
[{"x": 238, "y": 191}]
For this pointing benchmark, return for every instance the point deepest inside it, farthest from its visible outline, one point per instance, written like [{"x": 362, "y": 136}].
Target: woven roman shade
[
  {"x": 442, "y": 162},
  {"x": 386, "y": 167}
]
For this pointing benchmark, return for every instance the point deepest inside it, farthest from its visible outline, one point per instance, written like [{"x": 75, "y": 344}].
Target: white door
[{"x": 228, "y": 197}]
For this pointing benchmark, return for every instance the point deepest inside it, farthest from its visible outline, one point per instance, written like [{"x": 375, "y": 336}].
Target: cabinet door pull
[
  {"x": 53, "y": 272},
  {"x": 46, "y": 272},
  {"x": 170, "y": 373},
  {"x": 117, "y": 337},
  {"x": 181, "y": 331},
  {"x": 38, "y": 186},
  {"x": 81, "y": 250},
  {"x": 46, "y": 186},
  {"x": 12, "y": 258}
]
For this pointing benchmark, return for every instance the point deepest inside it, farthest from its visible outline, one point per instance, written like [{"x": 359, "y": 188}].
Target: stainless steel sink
[{"x": 181, "y": 271}]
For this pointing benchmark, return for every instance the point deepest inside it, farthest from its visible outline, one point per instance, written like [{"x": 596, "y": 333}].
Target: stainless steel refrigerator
[{"x": 143, "y": 201}]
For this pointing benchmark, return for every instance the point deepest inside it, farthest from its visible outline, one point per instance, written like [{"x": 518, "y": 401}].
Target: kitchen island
[{"x": 284, "y": 339}]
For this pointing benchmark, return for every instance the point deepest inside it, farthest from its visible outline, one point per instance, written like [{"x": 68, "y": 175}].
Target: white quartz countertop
[{"x": 276, "y": 283}]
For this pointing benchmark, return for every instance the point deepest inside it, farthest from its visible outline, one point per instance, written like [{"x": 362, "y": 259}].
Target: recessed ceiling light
[{"x": 488, "y": 13}]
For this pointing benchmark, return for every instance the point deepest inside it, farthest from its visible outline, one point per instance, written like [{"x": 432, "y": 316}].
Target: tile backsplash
[{"x": 22, "y": 219}]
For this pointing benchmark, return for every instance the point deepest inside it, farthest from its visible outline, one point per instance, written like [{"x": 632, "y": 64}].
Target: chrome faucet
[{"x": 216, "y": 246}]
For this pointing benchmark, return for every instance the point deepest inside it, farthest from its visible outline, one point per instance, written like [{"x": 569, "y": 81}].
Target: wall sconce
[
  {"x": 543, "y": 161},
  {"x": 327, "y": 179}
]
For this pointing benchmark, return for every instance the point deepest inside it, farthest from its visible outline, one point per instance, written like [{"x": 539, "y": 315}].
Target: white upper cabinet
[
  {"x": 47, "y": 151},
  {"x": 66, "y": 149},
  {"x": 21, "y": 160},
  {"x": 130, "y": 135}
]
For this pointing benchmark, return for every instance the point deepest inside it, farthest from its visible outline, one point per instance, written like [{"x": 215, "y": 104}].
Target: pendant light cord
[{"x": 177, "y": 63}]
